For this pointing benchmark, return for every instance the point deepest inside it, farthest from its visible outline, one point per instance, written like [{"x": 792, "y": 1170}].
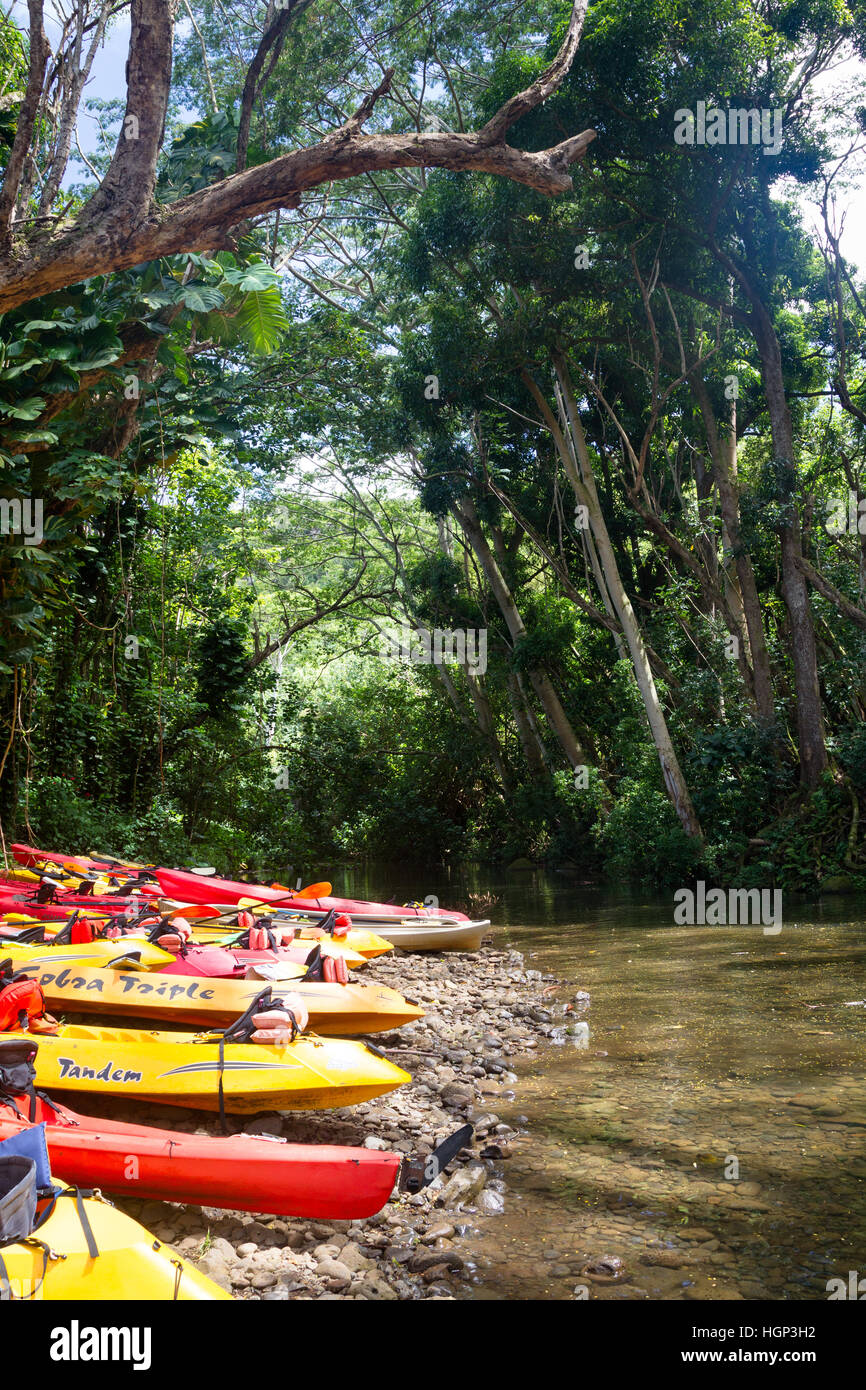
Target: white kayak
[{"x": 448, "y": 936}]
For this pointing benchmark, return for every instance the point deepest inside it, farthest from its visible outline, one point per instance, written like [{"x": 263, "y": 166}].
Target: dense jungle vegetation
[{"x": 619, "y": 429}]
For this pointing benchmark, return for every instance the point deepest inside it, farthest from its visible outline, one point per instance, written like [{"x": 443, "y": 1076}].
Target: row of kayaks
[
  {"x": 412, "y": 926},
  {"x": 251, "y": 968}
]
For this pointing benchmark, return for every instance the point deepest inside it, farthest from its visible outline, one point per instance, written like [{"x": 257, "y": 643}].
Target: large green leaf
[
  {"x": 258, "y": 276},
  {"x": 35, "y": 437},
  {"x": 262, "y": 319},
  {"x": 103, "y": 357},
  {"x": 9, "y": 373},
  {"x": 201, "y": 297},
  {"x": 28, "y": 409}
]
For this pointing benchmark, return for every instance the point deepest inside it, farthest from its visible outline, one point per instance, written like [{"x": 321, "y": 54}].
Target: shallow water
[{"x": 713, "y": 1135}]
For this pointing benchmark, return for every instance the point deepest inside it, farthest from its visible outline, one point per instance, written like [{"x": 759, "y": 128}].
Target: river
[{"x": 710, "y": 1142}]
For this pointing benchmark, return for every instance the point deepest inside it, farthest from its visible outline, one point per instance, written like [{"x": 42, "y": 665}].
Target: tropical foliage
[{"x": 617, "y": 436}]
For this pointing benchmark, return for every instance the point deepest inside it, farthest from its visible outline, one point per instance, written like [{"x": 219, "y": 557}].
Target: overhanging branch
[{"x": 122, "y": 226}]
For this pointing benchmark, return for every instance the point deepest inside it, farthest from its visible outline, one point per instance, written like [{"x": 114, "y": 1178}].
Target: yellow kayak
[
  {"x": 356, "y": 947},
  {"x": 152, "y": 957},
  {"x": 131, "y": 1263},
  {"x": 213, "y": 1003},
  {"x": 70, "y": 881},
  {"x": 52, "y": 926},
  {"x": 184, "y": 1069},
  {"x": 94, "y": 953}
]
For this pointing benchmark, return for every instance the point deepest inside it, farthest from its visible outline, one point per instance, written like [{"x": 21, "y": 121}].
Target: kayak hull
[
  {"x": 183, "y": 1069},
  {"x": 96, "y": 954},
  {"x": 356, "y": 946},
  {"x": 241, "y": 1173},
  {"x": 458, "y": 936},
  {"x": 131, "y": 1264},
  {"x": 357, "y": 942},
  {"x": 177, "y": 883},
  {"x": 335, "y": 1010},
  {"x": 227, "y": 962}
]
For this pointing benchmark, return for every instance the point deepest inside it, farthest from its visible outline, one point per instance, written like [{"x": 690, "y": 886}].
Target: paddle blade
[
  {"x": 315, "y": 890},
  {"x": 416, "y": 1173},
  {"x": 192, "y": 913}
]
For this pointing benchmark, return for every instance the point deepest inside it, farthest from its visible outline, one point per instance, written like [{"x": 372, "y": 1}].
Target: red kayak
[
  {"x": 68, "y": 902},
  {"x": 238, "y": 1172},
  {"x": 45, "y": 912},
  {"x": 211, "y": 891},
  {"x": 64, "y": 906},
  {"x": 32, "y": 858},
  {"x": 241, "y": 1173},
  {"x": 231, "y": 963},
  {"x": 192, "y": 888}
]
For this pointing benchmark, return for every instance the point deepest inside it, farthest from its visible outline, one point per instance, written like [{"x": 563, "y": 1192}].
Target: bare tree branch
[
  {"x": 268, "y": 52},
  {"x": 543, "y": 86},
  {"x": 829, "y": 591}
]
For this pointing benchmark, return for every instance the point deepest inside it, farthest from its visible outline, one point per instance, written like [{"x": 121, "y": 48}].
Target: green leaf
[
  {"x": 35, "y": 437},
  {"x": 258, "y": 276},
  {"x": 9, "y": 373},
  {"x": 102, "y": 358},
  {"x": 263, "y": 320},
  {"x": 28, "y": 409},
  {"x": 200, "y": 297}
]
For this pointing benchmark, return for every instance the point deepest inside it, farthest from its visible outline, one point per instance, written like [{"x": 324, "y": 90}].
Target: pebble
[
  {"x": 491, "y": 1203},
  {"x": 484, "y": 1012}
]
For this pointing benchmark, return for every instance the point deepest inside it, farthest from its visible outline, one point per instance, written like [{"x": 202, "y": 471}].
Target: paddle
[
  {"x": 242, "y": 903},
  {"x": 289, "y": 897},
  {"x": 313, "y": 890},
  {"x": 419, "y": 1172},
  {"x": 212, "y": 915},
  {"x": 192, "y": 912}
]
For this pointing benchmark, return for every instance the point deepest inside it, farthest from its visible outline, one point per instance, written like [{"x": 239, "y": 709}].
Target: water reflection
[{"x": 712, "y": 1137}]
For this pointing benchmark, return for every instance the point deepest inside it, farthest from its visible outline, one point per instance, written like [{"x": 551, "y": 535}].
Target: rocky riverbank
[{"x": 483, "y": 1011}]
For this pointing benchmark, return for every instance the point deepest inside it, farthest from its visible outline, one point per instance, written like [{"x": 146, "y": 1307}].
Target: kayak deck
[
  {"x": 131, "y": 1264},
  {"x": 334, "y": 1009},
  {"x": 184, "y": 1069},
  {"x": 456, "y": 936}
]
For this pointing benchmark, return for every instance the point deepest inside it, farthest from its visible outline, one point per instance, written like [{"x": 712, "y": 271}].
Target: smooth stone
[
  {"x": 216, "y": 1267},
  {"x": 666, "y": 1259},
  {"x": 334, "y": 1271},
  {"x": 491, "y": 1203}
]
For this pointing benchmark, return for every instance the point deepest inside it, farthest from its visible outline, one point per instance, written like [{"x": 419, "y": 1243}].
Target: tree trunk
[
  {"x": 530, "y": 739},
  {"x": 724, "y": 454},
  {"x": 556, "y": 717},
  {"x": 578, "y": 468},
  {"x": 810, "y": 724},
  {"x": 487, "y": 725}
]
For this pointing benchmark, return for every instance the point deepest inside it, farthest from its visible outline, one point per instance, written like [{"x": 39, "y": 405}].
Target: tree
[{"x": 123, "y": 224}]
